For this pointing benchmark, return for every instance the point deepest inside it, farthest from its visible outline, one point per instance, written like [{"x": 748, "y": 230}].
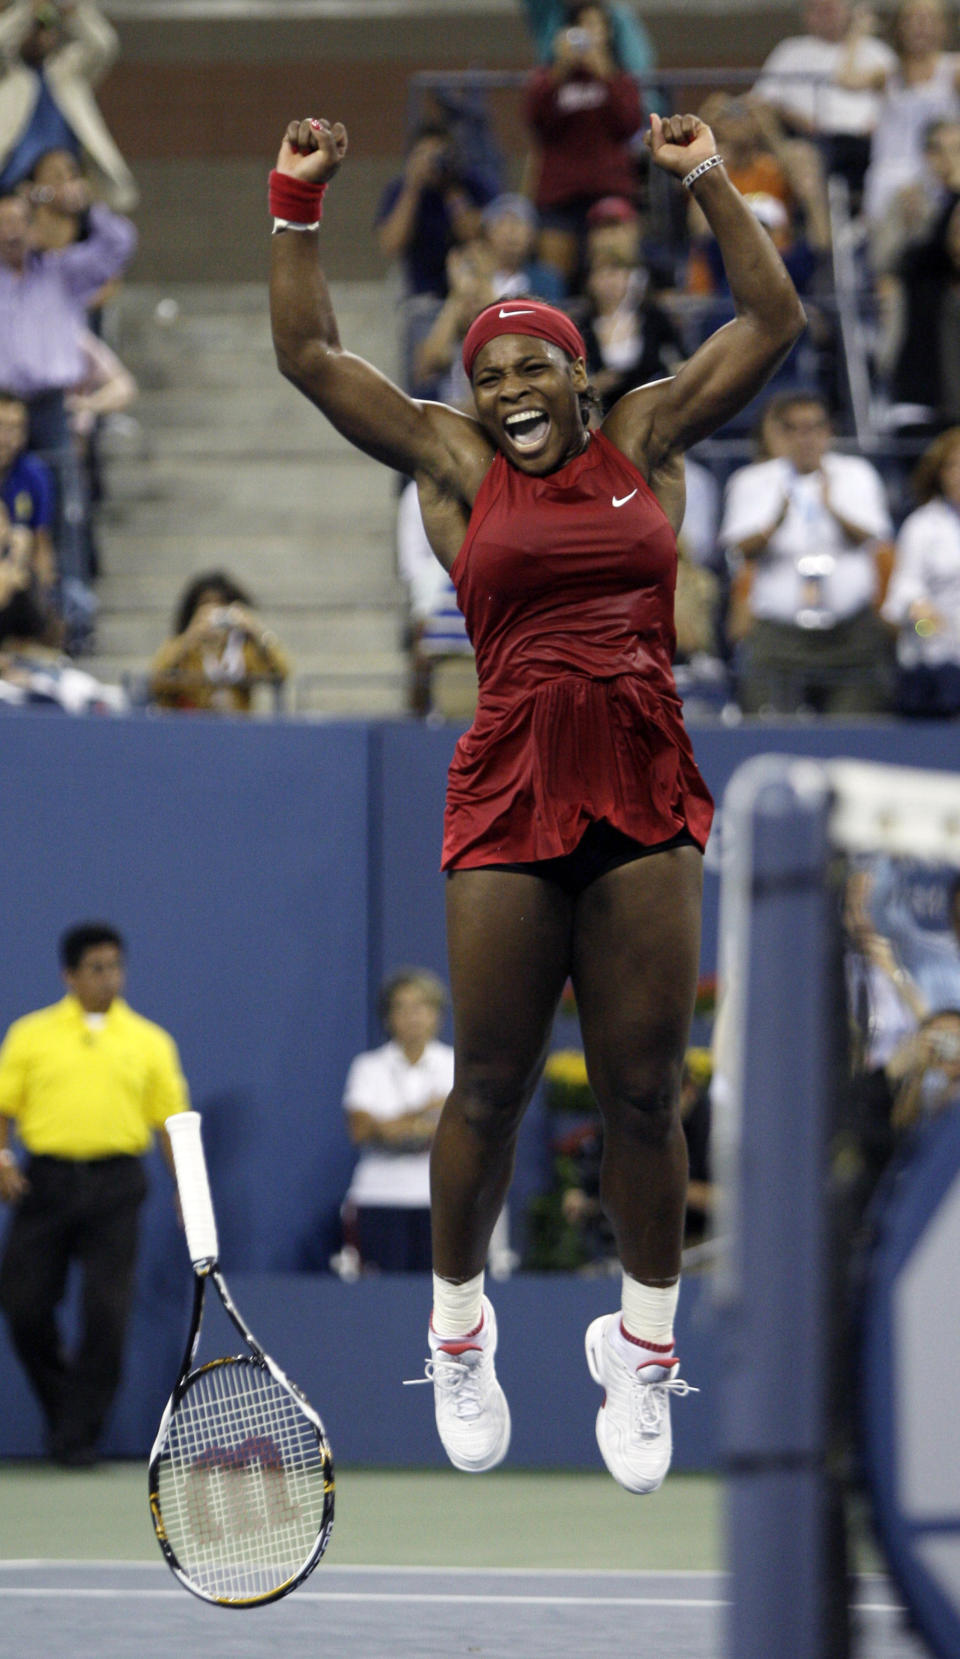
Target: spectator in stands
[
  {"x": 55, "y": 52},
  {"x": 808, "y": 524},
  {"x": 785, "y": 187},
  {"x": 107, "y": 388},
  {"x": 437, "y": 371},
  {"x": 631, "y": 43},
  {"x": 799, "y": 83},
  {"x": 698, "y": 668},
  {"x": 630, "y": 339},
  {"x": 925, "y": 1073},
  {"x": 616, "y": 230},
  {"x": 34, "y": 671},
  {"x": 16, "y": 575},
  {"x": 393, "y": 1098},
  {"x": 783, "y": 182},
  {"x": 27, "y": 499},
  {"x": 925, "y": 379},
  {"x": 885, "y": 1009},
  {"x": 921, "y": 88},
  {"x": 437, "y": 631},
  {"x": 42, "y": 316},
  {"x": 768, "y": 441},
  {"x": 582, "y": 110},
  {"x": 433, "y": 204},
  {"x": 61, "y": 196},
  {"x": 496, "y": 264},
  {"x": 510, "y": 226},
  {"x": 923, "y": 926},
  {"x": 699, "y": 665},
  {"x": 219, "y": 651},
  {"x": 912, "y": 211},
  {"x": 907, "y": 225},
  {"x": 885, "y": 1002},
  {"x": 923, "y": 596}
]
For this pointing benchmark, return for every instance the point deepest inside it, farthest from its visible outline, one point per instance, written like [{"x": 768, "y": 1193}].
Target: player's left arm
[{"x": 732, "y": 365}]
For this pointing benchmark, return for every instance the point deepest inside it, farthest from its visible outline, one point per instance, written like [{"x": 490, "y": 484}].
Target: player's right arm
[{"x": 424, "y": 440}]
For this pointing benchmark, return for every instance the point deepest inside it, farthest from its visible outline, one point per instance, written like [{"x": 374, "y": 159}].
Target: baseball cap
[{"x": 612, "y": 210}]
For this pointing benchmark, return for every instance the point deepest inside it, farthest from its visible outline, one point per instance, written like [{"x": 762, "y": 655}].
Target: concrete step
[
  {"x": 155, "y": 570},
  {"x": 266, "y": 495},
  {"x": 222, "y": 464},
  {"x": 336, "y": 634}
]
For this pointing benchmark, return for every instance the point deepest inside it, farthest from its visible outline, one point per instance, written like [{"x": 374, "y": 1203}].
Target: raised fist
[
  {"x": 679, "y": 143},
  {"x": 312, "y": 150}
]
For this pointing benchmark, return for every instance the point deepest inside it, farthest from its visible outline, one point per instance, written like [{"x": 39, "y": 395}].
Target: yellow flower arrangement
[{"x": 567, "y": 1086}]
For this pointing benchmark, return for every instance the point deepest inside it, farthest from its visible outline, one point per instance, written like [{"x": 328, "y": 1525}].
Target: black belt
[{"x": 85, "y": 1163}]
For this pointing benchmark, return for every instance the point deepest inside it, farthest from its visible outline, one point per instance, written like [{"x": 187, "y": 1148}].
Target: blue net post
[{"x": 781, "y": 984}]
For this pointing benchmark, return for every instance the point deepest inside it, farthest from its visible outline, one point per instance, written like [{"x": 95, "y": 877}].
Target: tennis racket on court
[{"x": 241, "y": 1474}]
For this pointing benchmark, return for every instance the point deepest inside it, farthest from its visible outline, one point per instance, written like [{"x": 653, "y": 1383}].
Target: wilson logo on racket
[{"x": 241, "y": 1473}]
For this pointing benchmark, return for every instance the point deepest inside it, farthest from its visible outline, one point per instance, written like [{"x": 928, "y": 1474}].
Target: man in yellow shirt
[{"x": 86, "y": 1082}]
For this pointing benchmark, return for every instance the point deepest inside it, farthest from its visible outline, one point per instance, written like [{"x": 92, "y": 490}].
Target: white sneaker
[
  {"x": 473, "y": 1418},
  {"x": 633, "y": 1423}
]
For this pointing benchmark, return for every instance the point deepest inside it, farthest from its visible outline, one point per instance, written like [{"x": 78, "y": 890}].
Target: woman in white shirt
[
  {"x": 923, "y": 596},
  {"x": 923, "y": 88},
  {"x": 393, "y": 1099}
]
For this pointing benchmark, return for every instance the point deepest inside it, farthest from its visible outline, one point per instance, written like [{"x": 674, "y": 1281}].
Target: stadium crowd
[{"x": 819, "y": 578}]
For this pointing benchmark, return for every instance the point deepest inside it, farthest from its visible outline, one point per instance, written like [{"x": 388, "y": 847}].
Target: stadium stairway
[{"x": 221, "y": 464}]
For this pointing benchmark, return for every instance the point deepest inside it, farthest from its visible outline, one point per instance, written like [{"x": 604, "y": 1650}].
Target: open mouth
[{"x": 527, "y": 430}]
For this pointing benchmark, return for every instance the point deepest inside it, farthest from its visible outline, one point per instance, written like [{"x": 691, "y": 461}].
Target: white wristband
[
  {"x": 289, "y": 224},
  {"x": 689, "y": 179}
]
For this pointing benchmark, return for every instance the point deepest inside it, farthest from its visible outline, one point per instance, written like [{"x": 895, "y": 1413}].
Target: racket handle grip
[{"x": 196, "y": 1204}]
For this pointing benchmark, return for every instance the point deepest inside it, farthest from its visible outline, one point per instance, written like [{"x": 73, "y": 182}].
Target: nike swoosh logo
[
  {"x": 621, "y": 500},
  {"x": 529, "y": 312}
]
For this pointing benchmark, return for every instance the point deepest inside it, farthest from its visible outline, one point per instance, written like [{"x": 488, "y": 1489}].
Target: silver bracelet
[
  {"x": 689, "y": 179},
  {"x": 289, "y": 224}
]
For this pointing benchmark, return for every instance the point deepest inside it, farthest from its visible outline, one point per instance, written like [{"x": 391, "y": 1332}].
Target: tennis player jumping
[{"x": 576, "y": 817}]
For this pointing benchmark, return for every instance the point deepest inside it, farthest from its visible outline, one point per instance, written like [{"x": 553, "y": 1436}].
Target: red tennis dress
[{"x": 566, "y": 584}]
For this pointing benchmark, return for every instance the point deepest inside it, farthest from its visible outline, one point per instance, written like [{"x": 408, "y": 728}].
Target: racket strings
[{"x": 243, "y": 1483}]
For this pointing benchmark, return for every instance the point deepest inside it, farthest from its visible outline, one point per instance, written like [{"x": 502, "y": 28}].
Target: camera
[{"x": 580, "y": 39}]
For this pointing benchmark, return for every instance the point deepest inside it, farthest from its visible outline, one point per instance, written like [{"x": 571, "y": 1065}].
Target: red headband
[{"x": 522, "y": 316}]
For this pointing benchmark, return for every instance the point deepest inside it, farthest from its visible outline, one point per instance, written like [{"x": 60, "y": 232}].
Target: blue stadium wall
[{"x": 266, "y": 877}]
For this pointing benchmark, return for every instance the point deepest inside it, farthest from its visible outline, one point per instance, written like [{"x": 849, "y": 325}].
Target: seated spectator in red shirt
[{"x": 582, "y": 110}]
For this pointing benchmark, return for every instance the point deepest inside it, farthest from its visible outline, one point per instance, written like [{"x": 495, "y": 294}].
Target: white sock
[
  {"x": 648, "y": 1312},
  {"x": 457, "y": 1309}
]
